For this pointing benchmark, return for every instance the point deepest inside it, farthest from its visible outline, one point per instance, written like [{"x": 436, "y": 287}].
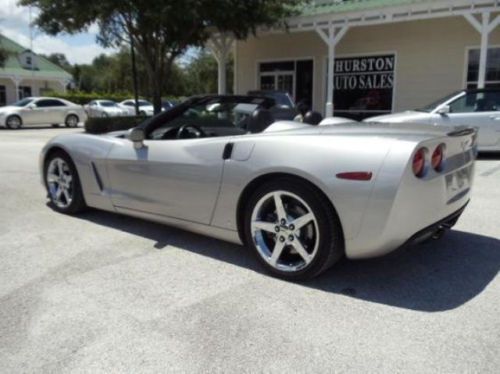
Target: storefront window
[
  {"x": 364, "y": 86},
  {"x": 24, "y": 91},
  {"x": 292, "y": 77},
  {"x": 492, "y": 68}
]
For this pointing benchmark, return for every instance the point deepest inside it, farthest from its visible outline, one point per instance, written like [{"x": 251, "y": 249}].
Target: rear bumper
[{"x": 435, "y": 230}]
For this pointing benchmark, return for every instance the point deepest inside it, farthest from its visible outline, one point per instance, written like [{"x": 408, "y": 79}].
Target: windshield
[
  {"x": 107, "y": 103},
  {"x": 283, "y": 100},
  {"x": 429, "y": 108},
  {"x": 217, "y": 116},
  {"x": 23, "y": 102}
]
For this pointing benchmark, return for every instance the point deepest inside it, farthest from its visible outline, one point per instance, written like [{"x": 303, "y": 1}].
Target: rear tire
[
  {"x": 72, "y": 121},
  {"x": 298, "y": 241},
  {"x": 63, "y": 184},
  {"x": 14, "y": 122}
]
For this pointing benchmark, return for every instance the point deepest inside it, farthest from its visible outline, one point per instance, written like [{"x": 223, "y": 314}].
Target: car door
[
  {"x": 173, "y": 178},
  {"x": 57, "y": 111},
  {"x": 477, "y": 109},
  {"x": 36, "y": 113}
]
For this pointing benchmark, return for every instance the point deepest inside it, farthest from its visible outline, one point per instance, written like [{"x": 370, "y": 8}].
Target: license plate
[{"x": 458, "y": 183}]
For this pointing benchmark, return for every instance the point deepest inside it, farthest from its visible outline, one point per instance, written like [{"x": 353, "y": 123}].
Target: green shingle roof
[
  {"x": 337, "y": 6},
  {"x": 13, "y": 66}
]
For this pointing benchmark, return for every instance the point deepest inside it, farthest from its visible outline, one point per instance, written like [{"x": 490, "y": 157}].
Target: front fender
[{"x": 88, "y": 153}]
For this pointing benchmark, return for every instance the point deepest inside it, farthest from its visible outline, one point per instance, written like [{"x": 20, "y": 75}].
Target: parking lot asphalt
[{"x": 106, "y": 293}]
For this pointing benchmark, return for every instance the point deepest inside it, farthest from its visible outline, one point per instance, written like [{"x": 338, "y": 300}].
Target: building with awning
[
  {"x": 27, "y": 74},
  {"x": 359, "y": 58}
]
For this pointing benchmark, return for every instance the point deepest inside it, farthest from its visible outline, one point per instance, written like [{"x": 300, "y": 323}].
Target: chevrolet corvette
[{"x": 299, "y": 196}]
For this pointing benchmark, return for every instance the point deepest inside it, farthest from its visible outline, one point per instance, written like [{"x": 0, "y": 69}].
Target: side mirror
[
  {"x": 136, "y": 136},
  {"x": 443, "y": 110},
  {"x": 31, "y": 106}
]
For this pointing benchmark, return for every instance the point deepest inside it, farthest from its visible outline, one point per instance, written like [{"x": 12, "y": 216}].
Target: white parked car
[
  {"x": 105, "y": 108},
  {"x": 476, "y": 108},
  {"x": 41, "y": 111},
  {"x": 145, "y": 107}
]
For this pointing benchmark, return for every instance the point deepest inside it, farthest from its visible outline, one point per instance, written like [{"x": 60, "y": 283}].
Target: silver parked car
[
  {"x": 300, "y": 196},
  {"x": 41, "y": 111},
  {"x": 105, "y": 108},
  {"x": 476, "y": 108},
  {"x": 145, "y": 107}
]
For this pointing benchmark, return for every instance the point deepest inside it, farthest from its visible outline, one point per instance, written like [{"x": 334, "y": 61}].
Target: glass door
[{"x": 278, "y": 81}]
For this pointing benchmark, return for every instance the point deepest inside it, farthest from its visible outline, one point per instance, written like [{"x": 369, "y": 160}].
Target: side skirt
[{"x": 211, "y": 231}]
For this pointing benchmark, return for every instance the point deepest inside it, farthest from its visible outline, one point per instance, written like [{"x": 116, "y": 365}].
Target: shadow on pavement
[{"x": 435, "y": 276}]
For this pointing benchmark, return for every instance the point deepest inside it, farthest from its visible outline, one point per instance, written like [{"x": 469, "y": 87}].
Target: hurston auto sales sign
[{"x": 364, "y": 83}]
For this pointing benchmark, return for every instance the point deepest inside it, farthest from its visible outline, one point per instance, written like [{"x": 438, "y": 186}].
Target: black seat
[
  {"x": 312, "y": 118},
  {"x": 260, "y": 120}
]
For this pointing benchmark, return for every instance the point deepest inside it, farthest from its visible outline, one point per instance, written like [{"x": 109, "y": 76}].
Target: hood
[
  {"x": 8, "y": 108},
  {"x": 408, "y": 116}
]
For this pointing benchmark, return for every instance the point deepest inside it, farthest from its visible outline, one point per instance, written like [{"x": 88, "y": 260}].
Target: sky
[{"x": 79, "y": 49}]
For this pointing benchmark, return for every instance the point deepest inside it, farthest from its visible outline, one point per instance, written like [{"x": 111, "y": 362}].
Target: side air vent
[{"x": 97, "y": 176}]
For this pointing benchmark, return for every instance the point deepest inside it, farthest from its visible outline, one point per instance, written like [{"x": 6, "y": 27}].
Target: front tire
[
  {"x": 71, "y": 121},
  {"x": 63, "y": 184},
  {"x": 14, "y": 122},
  {"x": 294, "y": 231}
]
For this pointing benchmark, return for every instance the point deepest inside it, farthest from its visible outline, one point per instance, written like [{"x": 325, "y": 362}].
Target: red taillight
[
  {"x": 438, "y": 158},
  {"x": 419, "y": 162}
]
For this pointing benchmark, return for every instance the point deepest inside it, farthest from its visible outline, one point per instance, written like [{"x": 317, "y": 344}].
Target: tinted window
[
  {"x": 49, "y": 103},
  {"x": 107, "y": 103},
  {"x": 477, "y": 102},
  {"x": 218, "y": 118}
]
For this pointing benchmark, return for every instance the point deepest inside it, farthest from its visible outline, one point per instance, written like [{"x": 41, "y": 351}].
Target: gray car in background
[
  {"x": 476, "y": 108},
  {"x": 41, "y": 111},
  {"x": 105, "y": 108}
]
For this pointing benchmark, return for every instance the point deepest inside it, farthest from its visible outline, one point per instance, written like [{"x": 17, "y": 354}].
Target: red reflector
[
  {"x": 419, "y": 163},
  {"x": 438, "y": 157},
  {"x": 356, "y": 176}
]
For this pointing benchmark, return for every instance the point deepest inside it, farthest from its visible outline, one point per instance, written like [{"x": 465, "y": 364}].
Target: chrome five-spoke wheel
[
  {"x": 60, "y": 183},
  {"x": 293, "y": 228},
  {"x": 285, "y": 231}
]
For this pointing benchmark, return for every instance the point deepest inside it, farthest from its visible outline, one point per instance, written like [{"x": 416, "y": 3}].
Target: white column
[
  {"x": 221, "y": 45},
  {"x": 483, "y": 59},
  {"x": 331, "y": 79},
  {"x": 16, "y": 81},
  {"x": 331, "y": 37},
  {"x": 485, "y": 27}
]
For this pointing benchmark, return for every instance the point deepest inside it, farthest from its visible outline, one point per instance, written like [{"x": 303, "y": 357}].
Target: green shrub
[{"x": 104, "y": 125}]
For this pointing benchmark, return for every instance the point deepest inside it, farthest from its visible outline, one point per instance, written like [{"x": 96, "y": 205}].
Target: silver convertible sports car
[{"x": 300, "y": 196}]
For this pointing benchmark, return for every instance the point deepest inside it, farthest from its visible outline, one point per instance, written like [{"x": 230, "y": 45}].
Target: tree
[
  {"x": 161, "y": 30},
  {"x": 201, "y": 74}
]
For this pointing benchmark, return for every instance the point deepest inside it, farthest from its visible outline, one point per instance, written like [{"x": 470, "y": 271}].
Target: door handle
[
  {"x": 228, "y": 151},
  {"x": 495, "y": 118}
]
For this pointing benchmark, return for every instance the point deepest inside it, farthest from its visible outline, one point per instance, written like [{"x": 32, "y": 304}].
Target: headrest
[
  {"x": 312, "y": 118},
  {"x": 260, "y": 120}
]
